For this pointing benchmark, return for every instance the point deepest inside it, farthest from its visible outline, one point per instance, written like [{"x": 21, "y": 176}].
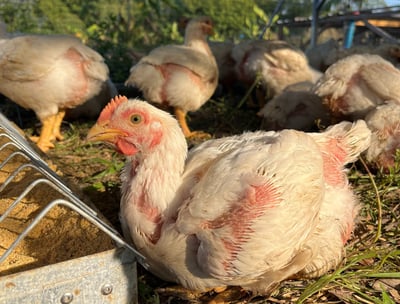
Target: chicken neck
[
  {"x": 151, "y": 197},
  {"x": 150, "y": 181},
  {"x": 198, "y": 42}
]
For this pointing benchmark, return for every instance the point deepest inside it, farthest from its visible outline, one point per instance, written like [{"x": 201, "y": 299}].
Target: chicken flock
[{"x": 248, "y": 210}]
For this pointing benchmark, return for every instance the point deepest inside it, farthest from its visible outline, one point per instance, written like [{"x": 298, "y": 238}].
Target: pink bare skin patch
[
  {"x": 76, "y": 58},
  {"x": 256, "y": 200},
  {"x": 168, "y": 69},
  {"x": 333, "y": 159},
  {"x": 152, "y": 214}
]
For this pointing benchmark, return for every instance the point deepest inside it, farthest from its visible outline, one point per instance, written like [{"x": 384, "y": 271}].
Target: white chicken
[
  {"x": 49, "y": 74},
  {"x": 295, "y": 108},
  {"x": 182, "y": 76},
  {"x": 249, "y": 210},
  {"x": 93, "y": 106},
  {"x": 355, "y": 85},
  {"x": 274, "y": 62},
  {"x": 384, "y": 122}
]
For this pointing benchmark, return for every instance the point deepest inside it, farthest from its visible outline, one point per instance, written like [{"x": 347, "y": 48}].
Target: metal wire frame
[{"x": 50, "y": 178}]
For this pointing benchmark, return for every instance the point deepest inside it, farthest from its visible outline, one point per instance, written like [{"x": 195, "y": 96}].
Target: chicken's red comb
[{"x": 111, "y": 106}]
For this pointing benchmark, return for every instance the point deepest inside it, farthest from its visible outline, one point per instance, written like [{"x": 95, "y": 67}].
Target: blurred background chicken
[
  {"x": 238, "y": 210},
  {"x": 275, "y": 64},
  {"x": 226, "y": 65},
  {"x": 49, "y": 74},
  {"x": 384, "y": 122},
  {"x": 297, "y": 107},
  {"x": 319, "y": 55},
  {"x": 355, "y": 85},
  {"x": 91, "y": 108},
  {"x": 182, "y": 76}
]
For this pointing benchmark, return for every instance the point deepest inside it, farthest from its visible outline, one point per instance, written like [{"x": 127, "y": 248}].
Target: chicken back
[{"x": 355, "y": 85}]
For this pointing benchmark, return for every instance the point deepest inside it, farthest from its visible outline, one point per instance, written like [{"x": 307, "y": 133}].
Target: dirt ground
[{"x": 60, "y": 235}]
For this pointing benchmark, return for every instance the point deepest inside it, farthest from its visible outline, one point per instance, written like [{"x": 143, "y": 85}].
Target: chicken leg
[
  {"x": 57, "y": 126},
  {"x": 46, "y": 133},
  {"x": 50, "y": 131},
  {"x": 181, "y": 117}
]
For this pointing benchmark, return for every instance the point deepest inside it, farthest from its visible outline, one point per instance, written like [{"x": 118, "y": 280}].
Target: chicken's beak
[{"x": 101, "y": 132}]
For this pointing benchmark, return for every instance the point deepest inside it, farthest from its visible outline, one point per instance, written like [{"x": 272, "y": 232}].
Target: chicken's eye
[{"x": 136, "y": 118}]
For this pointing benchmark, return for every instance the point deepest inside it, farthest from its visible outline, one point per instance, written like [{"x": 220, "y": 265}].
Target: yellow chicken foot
[
  {"x": 181, "y": 117},
  {"x": 46, "y": 134},
  {"x": 57, "y": 126}
]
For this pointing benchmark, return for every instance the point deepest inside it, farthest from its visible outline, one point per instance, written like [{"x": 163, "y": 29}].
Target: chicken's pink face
[{"x": 127, "y": 126}]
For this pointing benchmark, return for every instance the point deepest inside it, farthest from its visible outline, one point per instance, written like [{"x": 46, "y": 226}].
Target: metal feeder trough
[{"x": 105, "y": 277}]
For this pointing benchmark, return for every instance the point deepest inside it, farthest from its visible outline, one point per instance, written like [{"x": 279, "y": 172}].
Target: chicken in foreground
[
  {"x": 355, "y": 85},
  {"x": 49, "y": 74},
  {"x": 248, "y": 210},
  {"x": 182, "y": 76}
]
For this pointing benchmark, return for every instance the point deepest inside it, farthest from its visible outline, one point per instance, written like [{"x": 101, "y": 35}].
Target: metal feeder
[{"x": 104, "y": 277}]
